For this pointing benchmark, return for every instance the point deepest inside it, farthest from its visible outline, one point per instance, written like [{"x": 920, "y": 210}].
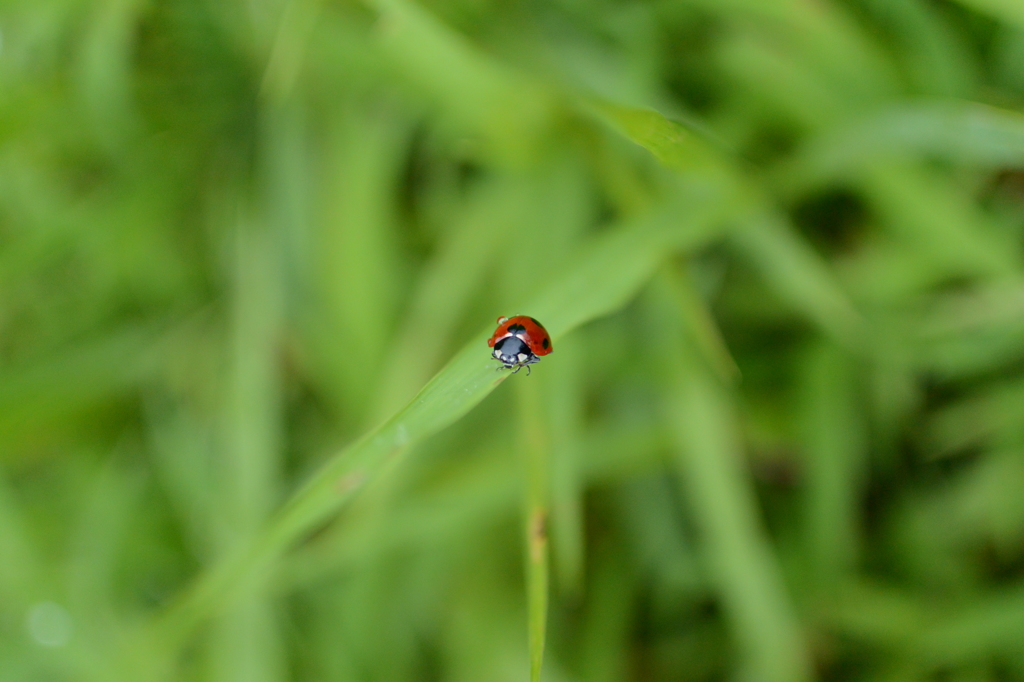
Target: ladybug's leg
[{"x": 527, "y": 370}]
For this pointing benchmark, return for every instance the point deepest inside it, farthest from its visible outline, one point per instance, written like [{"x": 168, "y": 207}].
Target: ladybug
[{"x": 519, "y": 342}]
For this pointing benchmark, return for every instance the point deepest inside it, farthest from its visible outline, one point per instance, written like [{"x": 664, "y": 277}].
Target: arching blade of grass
[
  {"x": 965, "y": 132},
  {"x": 603, "y": 278},
  {"x": 923, "y": 207},
  {"x": 609, "y": 273},
  {"x": 748, "y": 578},
  {"x": 788, "y": 264},
  {"x": 706, "y": 335},
  {"x": 683, "y": 149},
  {"x": 798, "y": 274},
  {"x": 1010, "y": 11},
  {"x": 446, "y": 286}
]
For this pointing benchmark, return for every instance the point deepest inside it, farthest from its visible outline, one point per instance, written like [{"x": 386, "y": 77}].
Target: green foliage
[{"x": 250, "y": 254}]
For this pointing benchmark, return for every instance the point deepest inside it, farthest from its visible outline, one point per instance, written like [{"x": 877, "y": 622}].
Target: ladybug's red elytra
[{"x": 519, "y": 342}]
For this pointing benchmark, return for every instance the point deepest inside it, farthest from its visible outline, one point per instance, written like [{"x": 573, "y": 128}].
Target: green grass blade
[
  {"x": 742, "y": 567},
  {"x": 937, "y": 60},
  {"x": 701, "y": 325},
  {"x": 606, "y": 275},
  {"x": 485, "y": 489},
  {"x": 446, "y": 287},
  {"x": 1010, "y": 11},
  {"x": 835, "y": 464},
  {"x": 21, "y": 571},
  {"x": 246, "y": 639},
  {"x": 605, "y": 630},
  {"x": 798, "y": 274},
  {"x": 356, "y": 267},
  {"x": 923, "y": 207},
  {"x": 680, "y": 148},
  {"x": 965, "y": 132},
  {"x": 536, "y": 445},
  {"x": 49, "y": 391},
  {"x": 288, "y": 52},
  {"x": 992, "y": 626},
  {"x": 794, "y": 270},
  {"x": 625, "y": 260},
  {"x": 565, "y": 387},
  {"x": 481, "y": 94}
]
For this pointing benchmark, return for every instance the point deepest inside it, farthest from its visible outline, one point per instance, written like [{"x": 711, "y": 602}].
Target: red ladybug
[{"x": 519, "y": 342}]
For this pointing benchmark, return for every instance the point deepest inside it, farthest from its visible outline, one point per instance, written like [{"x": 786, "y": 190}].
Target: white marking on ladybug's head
[{"x": 523, "y": 357}]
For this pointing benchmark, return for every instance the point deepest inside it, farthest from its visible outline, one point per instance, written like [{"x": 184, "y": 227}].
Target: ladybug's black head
[{"x": 512, "y": 351}]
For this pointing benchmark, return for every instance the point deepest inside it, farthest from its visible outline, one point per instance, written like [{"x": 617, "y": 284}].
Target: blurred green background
[{"x": 782, "y": 433}]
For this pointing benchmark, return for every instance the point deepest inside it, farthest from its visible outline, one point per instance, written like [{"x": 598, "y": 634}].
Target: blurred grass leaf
[
  {"x": 1006, "y": 10},
  {"x": 964, "y": 132},
  {"x": 795, "y": 271},
  {"x": 746, "y": 575}
]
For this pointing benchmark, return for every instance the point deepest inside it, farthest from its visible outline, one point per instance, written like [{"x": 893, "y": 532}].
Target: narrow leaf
[{"x": 606, "y": 275}]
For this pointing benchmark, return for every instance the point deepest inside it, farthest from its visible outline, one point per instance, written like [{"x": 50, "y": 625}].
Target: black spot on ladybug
[
  {"x": 534, "y": 320},
  {"x": 516, "y": 328},
  {"x": 545, "y": 343}
]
